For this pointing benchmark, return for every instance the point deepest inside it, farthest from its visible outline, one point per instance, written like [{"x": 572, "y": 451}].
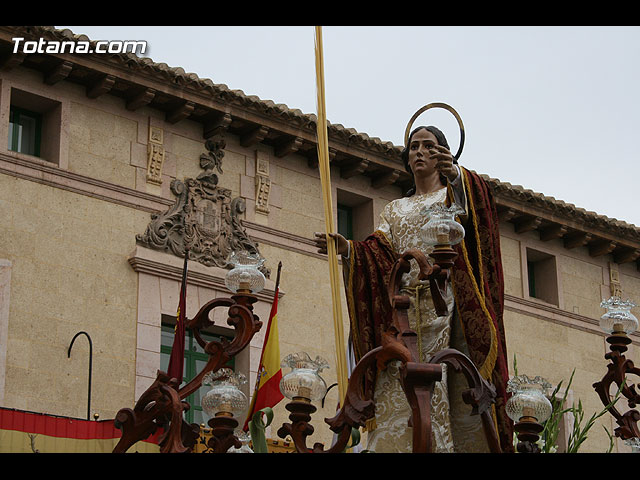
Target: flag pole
[
  {"x": 176, "y": 360},
  {"x": 278, "y": 277},
  {"x": 325, "y": 179}
]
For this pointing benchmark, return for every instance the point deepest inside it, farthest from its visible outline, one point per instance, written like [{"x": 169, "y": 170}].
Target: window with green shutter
[
  {"x": 25, "y": 131},
  {"x": 194, "y": 361}
]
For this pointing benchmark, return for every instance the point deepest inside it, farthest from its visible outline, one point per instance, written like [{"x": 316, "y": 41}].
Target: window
[
  {"x": 25, "y": 131},
  {"x": 194, "y": 361},
  {"x": 542, "y": 276},
  {"x": 355, "y": 215},
  {"x": 345, "y": 221},
  {"x": 35, "y": 126}
]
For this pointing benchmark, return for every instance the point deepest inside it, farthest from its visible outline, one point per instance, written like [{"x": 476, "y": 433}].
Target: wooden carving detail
[
  {"x": 204, "y": 218},
  {"x": 158, "y": 407},
  {"x": 617, "y": 370},
  {"x": 418, "y": 378},
  {"x": 162, "y": 405}
]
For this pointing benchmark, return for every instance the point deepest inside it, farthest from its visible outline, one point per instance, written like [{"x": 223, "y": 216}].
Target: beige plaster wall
[
  {"x": 69, "y": 274},
  {"x": 510, "y": 249},
  {"x": 581, "y": 281}
]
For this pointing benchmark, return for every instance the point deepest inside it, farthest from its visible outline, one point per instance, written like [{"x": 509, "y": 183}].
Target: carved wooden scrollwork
[
  {"x": 162, "y": 405},
  {"x": 617, "y": 373},
  {"x": 158, "y": 407},
  {"x": 418, "y": 378}
]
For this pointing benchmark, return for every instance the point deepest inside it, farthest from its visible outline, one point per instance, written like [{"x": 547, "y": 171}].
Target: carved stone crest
[{"x": 204, "y": 219}]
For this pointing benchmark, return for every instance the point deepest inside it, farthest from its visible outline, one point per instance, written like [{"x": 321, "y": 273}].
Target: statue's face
[{"x": 420, "y": 149}]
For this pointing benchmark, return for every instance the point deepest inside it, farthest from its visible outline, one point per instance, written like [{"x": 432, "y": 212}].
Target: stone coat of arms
[{"x": 204, "y": 220}]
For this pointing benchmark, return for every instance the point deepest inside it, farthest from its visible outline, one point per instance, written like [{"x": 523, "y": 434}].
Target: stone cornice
[
  {"x": 159, "y": 264},
  {"x": 516, "y": 196},
  {"x": 556, "y": 315},
  {"x": 44, "y": 172}
]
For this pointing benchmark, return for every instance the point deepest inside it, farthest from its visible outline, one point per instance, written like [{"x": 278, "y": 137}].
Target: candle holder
[
  {"x": 245, "y": 276},
  {"x": 618, "y": 322},
  {"x": 302, "y": 386},
  {"x": 304, "y": 382},
  {"x": 224, "y": 403},
  {"x": 442, "y": 229},
  {"x": 529, "y": 408},
  {"x": 441, "y": 232}
]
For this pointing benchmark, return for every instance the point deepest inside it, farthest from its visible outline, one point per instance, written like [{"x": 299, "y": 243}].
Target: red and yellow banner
[{"x": 29, "y": 432}]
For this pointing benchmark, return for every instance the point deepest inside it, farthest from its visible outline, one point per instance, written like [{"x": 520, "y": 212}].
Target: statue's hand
[
  {"x": 342, "y": 244},
  {"x": 444, "y": 162}
]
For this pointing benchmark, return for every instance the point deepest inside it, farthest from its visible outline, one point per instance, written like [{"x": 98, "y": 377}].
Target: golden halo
[{"x": 437, "y": 105}]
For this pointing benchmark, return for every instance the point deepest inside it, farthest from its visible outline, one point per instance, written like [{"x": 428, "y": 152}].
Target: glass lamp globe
[
  {"x": 245, "y": 439},
  {"x": 528, "y": 399},
  {"x": 245, "y": 274},
  {"x": 225, "y": 397},
  {"x": 618, "y": 318},
  {"x": 634, "y": 443},
  {"x": 442, "y": 227},
  {"x": 303, "y": 382}
]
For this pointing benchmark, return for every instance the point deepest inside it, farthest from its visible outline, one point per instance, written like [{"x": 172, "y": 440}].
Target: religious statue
[{"x": 473, "y": 324}]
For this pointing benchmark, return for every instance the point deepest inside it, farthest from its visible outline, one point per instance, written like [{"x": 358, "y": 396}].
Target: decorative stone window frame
[{"x": 159, "y": 277}]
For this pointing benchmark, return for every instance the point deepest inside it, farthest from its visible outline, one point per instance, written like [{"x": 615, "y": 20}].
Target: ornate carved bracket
[
  {"x": 617, "y": 371},
  {"x": 417, "y": 377},
  {"x": 163, "y": 405},
  {"x": 158, "y": 407}
]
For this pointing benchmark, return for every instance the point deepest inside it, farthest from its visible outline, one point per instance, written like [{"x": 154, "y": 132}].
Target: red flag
[
  {"x": 267, "y": 392},
  {"x": 176, "y": 360}
]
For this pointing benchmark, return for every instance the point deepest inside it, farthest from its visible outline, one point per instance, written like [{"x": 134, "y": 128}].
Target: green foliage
[
  {"x": 610, "y": 449},
  {"x": 549, "y": 435},
  {"x": 548, "y": 442},
  {"x": 579, "y": 433},
  {"x": 354, "y": 441}
]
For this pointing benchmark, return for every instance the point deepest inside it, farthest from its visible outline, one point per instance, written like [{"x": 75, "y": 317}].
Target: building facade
[{"x": 95, "y": 153}]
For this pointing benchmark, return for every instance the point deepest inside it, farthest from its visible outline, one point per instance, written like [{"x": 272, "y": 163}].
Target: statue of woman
[{"x": 474, "y": 298}]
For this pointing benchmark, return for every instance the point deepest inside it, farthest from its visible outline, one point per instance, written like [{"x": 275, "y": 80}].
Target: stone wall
[{"x": 69, "y": 273}]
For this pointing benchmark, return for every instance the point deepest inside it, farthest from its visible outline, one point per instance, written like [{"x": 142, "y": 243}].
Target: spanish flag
[
  {"x": 176, "y": 360},
  {"x": 267, "y": 392}
]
